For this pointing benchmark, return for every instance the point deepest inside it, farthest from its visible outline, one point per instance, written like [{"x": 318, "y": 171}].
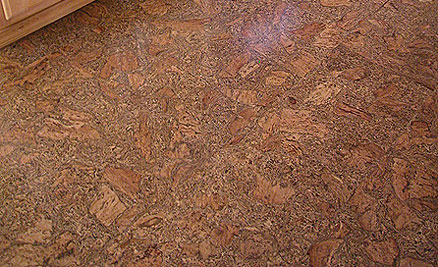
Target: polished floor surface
[{"x": 223, "y": 133}]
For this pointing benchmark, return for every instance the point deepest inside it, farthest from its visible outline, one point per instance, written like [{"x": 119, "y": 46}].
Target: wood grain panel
[
  {"x": 11, "y": 33},
  {"x": 16, "y": 10}
]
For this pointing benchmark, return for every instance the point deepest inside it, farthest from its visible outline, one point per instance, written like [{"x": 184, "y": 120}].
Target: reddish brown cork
[{"x": 222, "y": 133}]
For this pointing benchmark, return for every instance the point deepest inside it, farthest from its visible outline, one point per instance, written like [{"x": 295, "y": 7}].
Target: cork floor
[{"x": 223, "y": 133}]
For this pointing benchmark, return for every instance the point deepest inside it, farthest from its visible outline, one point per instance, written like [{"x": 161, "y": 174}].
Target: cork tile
[{"x": 222, "y": 133}]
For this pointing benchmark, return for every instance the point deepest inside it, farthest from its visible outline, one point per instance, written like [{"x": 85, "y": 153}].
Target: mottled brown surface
[{"x": 223, "y": 133}]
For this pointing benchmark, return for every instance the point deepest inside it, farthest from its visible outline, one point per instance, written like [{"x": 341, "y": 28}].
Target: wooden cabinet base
[{"x": 22, "y": 28}]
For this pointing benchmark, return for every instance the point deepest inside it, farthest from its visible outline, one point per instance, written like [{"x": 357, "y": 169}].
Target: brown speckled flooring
[{"x": 223, "y": 133}]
